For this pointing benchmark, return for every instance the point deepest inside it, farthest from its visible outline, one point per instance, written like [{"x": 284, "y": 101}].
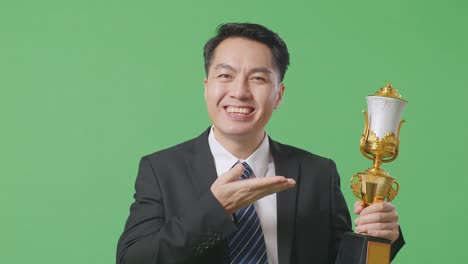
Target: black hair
[{"x": 253, "y": 32}]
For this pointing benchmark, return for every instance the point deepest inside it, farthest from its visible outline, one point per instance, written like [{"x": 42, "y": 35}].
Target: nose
[{"x": 240, "y": 89}]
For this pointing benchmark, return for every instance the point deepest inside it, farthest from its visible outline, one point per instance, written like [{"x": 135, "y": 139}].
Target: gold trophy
[{"x": 379, "y": 143}]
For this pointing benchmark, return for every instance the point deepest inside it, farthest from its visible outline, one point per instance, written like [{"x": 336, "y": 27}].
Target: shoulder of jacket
[
  {"x": 172, "y": 154},
  {"x": 299, "y": 152}
]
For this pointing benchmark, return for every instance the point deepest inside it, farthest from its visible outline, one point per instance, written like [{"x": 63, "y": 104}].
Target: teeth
[{"x": 240, "y": 110}]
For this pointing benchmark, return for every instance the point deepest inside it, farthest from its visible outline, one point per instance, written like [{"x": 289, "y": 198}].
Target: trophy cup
[{"x": 379, "y": 143}]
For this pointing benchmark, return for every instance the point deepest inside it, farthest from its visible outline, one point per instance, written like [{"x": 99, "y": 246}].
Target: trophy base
[{"x": 363, "y": 249}]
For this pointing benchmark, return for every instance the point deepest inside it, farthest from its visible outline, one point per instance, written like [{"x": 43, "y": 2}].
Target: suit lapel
[
  {"x": 286, "y": 166},
  {"x": 201, "y": 167},
  {"x": 201, "y": 164}
]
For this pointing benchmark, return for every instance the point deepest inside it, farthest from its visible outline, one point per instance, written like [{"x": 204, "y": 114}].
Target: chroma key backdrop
[{"x": 88, "y": 87}]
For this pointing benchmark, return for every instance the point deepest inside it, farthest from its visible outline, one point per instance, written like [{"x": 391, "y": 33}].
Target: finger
[
  {"x": 276, "y": 188},
  {"x": 358, "y": 207},
  {"x": 387, "y": 234},
  {"x": 265, "y": 183},
  {"x": 254, "y": 189},
  {"x": 233, "y": 174},
  {"x": 385, "y": 217},
  {"x": 254, "y": 195},
  {"x": 289, "y": 183},
  {"x": 376, "y": 226},
  {"x": 378, "y": 207}
]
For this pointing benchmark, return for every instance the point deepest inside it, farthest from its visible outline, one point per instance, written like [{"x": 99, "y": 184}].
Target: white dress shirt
[{"x": 262, "y": 164}]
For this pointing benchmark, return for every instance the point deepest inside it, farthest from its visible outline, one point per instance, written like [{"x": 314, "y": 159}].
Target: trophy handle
[
  {"x": 392, "y": 193},
  {"x": 365, "y": 134},
  {"x": 397, "y": 148},
  {"x": 356, "y": 185}
]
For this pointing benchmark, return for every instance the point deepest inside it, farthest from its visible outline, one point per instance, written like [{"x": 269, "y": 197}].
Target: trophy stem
[{"x": 377, "y": 162}]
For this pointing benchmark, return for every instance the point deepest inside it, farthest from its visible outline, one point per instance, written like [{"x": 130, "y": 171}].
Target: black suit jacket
[{"x": 176, "y": 219}]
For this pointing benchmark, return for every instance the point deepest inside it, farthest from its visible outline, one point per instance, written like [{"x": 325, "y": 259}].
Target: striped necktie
[{"x": 247, "y": 245}]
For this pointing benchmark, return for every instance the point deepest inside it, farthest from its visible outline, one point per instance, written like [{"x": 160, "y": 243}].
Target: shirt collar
[{"x": 224, "y": 160}]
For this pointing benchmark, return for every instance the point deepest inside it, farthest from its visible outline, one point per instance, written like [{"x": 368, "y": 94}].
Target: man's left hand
[{"x": 378, "y": 220}]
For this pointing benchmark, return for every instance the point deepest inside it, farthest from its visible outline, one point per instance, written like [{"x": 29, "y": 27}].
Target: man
[{"x": 216, "y": 199}]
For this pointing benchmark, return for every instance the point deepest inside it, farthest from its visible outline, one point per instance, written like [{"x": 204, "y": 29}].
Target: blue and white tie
[{"x": 247, "y": 245}]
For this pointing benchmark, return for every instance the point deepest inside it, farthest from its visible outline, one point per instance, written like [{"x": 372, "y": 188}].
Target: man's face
[{"x": 242, "y": 88}]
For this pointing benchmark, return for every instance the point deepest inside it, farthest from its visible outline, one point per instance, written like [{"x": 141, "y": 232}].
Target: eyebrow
[
  {"x": 254, "y": 70},
  {"x": 260, "y": 69},
  {"x": 225, "y": 66}
]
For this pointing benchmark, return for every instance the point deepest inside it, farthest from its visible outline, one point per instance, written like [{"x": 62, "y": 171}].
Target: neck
[{"x": 240, "y": 146}]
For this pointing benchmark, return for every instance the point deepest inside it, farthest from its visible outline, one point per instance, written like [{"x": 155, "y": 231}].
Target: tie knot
[{"x": 247, "y": 171}]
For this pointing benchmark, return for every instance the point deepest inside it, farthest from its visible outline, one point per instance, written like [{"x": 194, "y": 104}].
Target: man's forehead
[
  {"x": 241, "y": 47},
  {"x": 237, "y": 52}
]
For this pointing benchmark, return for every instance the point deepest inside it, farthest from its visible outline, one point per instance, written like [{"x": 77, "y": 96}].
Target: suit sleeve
[
  {"x": 151, "y": 237},
  {"x": 341, "y": 220},
  {"x": 397, "y": 245}
]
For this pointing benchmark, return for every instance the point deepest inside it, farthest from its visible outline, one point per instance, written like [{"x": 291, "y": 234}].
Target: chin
[
  {"x": 237, "y": 130},
  {"x": 232, "y": 128}
]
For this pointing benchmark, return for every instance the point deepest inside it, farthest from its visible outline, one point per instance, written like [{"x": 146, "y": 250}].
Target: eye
[
  {"x": 258, "y": 78},
  {"x": 224, "y": 76}
]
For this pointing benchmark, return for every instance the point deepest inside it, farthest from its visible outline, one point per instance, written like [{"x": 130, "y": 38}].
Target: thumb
[
  {"x": 233, "y": 174},
  {"x": 358, "y": 207}
]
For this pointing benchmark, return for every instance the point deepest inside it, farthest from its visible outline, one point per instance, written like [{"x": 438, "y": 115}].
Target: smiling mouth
[{"x": 239, "y": 110}]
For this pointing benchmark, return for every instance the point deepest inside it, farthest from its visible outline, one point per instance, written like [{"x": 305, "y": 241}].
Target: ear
[
  {"x": 204, "y": 85},
  {"x": 280, "y": 95}
]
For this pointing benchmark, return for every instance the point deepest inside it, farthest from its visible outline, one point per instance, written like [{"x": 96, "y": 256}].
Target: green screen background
[{"x": 88, "y": 87}]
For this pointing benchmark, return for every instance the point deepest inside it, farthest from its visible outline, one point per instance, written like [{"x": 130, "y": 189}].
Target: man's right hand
[{"x": 234, "y": 194}]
